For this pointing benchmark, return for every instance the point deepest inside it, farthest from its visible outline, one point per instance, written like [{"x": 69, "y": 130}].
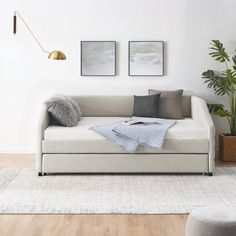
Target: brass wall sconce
[{"x": 54, "y": 55}]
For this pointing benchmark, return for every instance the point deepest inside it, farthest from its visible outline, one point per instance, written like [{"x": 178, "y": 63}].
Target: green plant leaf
[
  {"x": 234, "y": 62},
  {"x": 219, "y": 110},
  {"x": 218, "y": 51},
  {"x": 221, "y": 84},
  {"x": 230, "y": 79}
]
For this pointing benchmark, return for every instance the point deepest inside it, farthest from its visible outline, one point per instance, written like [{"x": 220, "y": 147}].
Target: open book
[{"x": 142, "y": 121}]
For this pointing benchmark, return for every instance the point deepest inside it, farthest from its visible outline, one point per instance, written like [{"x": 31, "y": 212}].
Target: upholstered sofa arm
[
  {"x": 44, "y": 122},
  {"x": 201, "y": 115}
]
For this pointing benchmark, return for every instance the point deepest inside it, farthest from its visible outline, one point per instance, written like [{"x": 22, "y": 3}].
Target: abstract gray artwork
[
  {"x": 146, "y": 58},
  {"x": 98, "y": 58}
]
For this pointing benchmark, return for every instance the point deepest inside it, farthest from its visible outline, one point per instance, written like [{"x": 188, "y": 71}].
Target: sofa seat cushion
[{"x": 186, "y": 136}]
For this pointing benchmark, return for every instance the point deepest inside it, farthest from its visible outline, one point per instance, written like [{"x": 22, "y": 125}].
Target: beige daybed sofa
[{"x": 188, "y": 148}]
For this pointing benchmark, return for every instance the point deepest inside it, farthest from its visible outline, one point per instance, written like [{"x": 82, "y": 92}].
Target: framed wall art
[
  {"x": 98, "y": 58},
  {"x": 146, "y": 58}
]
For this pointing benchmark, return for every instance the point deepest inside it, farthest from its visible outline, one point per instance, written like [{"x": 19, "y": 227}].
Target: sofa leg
[
  {"x": 41, "y": 174},
  {"x": 210, "y": 174}
]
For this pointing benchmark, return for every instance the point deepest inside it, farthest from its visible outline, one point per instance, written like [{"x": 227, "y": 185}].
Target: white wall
[{"x": 27, "y": 77}]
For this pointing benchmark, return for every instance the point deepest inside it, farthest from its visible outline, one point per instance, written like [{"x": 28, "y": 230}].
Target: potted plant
[{"x": 224, "y": 84}]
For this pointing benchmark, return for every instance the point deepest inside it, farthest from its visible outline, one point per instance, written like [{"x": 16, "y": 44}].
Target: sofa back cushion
[
  {"x": 186, "y": 105},
  {"x": 105, "y": 105},
  {"x": 115, "y": 106}
]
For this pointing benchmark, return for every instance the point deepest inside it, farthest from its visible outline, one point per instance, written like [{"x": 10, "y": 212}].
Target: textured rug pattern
[{"x": 22, "y": 191}]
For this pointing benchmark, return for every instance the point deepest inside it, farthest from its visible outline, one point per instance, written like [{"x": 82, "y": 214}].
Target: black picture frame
[
  {"x": 162, "y": 58},
  {"x": 81, "y": 58}
]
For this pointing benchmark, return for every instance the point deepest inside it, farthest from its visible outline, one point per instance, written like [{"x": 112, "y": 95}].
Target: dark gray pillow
[
  {"x": 170, "y": 106},
  {"x": 146, "y": 106},
  {"x": 62, "y": 111}
]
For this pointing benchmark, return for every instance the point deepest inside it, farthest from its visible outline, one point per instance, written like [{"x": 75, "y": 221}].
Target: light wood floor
[{"x": 86, "y": 225}]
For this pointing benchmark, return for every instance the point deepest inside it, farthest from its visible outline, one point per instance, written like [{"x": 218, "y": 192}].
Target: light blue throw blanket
[{"x": 136, "y": 131}]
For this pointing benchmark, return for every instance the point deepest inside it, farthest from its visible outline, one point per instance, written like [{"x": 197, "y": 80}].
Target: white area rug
[{"x": 22, "y": 191}]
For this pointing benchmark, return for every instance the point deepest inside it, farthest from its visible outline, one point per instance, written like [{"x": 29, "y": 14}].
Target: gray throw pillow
[
  {"x": 76, "y": 107},
  {"x": 170, "y": 106},
  {"x": 62, "y": 111},
  {"x": 73, "y": 103},
  {"x": 146, "y": 106}
]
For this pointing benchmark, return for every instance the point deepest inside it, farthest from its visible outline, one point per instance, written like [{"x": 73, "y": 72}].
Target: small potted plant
[{"x": 224, "y": 84}]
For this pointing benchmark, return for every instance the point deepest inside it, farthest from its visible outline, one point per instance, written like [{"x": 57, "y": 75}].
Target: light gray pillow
[
  {"x": 62, "y": 111},
  {"x": 170, "y": 106}
]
